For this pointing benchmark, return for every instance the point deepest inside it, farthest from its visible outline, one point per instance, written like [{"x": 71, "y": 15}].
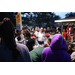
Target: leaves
[
  {"x": 69, "y": 15},
  {"x": 31, "y": 17}
]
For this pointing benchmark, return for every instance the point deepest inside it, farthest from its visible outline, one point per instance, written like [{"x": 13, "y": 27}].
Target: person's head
[
  {"x": 7, "y": 33},
  {"x": 63, "y": 30},
  {"x": 47, "y": 27},
  {"x": 68, "y": 25},
  {"x": 41, "y": 30},
  {"x": 44, "y": 29},
  {"x": 58, "y": 43},
  {"x": 70, "y": 51},
  {"x": 18, "y": 31},
  {"x": 27, "y": 34},
  {"x": 47, "y": 42},
  {"x": 30, "y": 44},
  {"x": 56, "y": 28},
  {"x": 70, "y": 46},
  {"x": 36, "y": 28},
  {"x": 23, "y": 28}
]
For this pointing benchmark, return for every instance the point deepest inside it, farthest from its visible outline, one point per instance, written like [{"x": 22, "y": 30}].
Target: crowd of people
[
  {"x": 32, "y": 45},
  {"x": 69, "y": 33}
]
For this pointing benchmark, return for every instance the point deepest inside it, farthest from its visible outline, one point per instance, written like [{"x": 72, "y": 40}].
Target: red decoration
[
  {"x": 47, "y": 34},
  {"x": 68, "y": 32}
]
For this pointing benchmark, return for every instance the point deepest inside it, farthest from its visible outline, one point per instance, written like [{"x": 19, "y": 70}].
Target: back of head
[
  {"x": 27, "y": 33},
  {"x": 58, "y": 43},
  {"x": 7, "y": 33},
  {"x": 30, "y": 44},
  {"x": 47, "y": 42},
  {"x": 71, "y": 45}
]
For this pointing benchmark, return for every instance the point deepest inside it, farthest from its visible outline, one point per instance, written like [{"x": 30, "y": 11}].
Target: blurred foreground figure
[
  {"x": 57, "y": 52},
  {"x": 30, "y": 44},
  {"x": 36, "y": 52},
  {"x": 10, "y": 51}
]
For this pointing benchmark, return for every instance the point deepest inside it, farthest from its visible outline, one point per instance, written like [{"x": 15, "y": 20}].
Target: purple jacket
[{"x": 57, "y": 52}]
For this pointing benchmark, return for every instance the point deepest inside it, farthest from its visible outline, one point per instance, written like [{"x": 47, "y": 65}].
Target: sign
[
  {"x": 19, "y": 23},
  {"x": 18, "y": 26},
  {"x": 18, "y": 19}
]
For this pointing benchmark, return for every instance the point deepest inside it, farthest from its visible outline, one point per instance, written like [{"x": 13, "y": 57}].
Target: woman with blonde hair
[{"x": 40, "y": 36}]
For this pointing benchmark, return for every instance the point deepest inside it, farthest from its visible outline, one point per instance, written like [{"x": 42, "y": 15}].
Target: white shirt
[
  {"x": 40, "y": 36},
  {"x": 21, "y": 41},
  {"x": 36, "y": 33}
]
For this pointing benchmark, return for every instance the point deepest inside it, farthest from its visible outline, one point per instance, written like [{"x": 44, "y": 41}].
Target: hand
[
  {"x": 6, "y": 19},
  {"x": 24, "y": 39}
]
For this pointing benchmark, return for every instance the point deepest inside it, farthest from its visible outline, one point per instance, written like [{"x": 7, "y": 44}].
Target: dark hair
[
  {"x": 18, "y": 35},
  {"x": 71, "y": 45},
  {"x": 30, "y": 44},
  {"x": 7, "y": 32},
  {"x": 49, "y": 39},
  {"x": 27, "y": 34}
]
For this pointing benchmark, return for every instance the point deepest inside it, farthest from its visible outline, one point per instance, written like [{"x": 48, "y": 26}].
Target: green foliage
[
  {"x": 31, "y": 17},
  {"x": 69, "y": 15},
  {"x": 40, "y": 17}
]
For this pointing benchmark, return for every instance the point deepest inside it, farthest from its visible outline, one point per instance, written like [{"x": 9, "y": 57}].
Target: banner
[{"x": 18, "y": 21}]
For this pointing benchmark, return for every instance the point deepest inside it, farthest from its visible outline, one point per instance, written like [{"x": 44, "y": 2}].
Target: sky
[{"x": 61, "y": 14}]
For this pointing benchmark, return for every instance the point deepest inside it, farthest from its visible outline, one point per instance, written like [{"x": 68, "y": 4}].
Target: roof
[{"x": 66, "y": 20}]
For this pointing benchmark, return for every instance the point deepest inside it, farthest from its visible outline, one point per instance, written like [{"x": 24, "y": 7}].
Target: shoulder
[
  {"x": 46, "y": 50},
  {"x": 24, "y": 51},
  {"x": 37, "y": 49},
  {"x": 66, "y": 54},
  {"x": 22, "y": 47}
]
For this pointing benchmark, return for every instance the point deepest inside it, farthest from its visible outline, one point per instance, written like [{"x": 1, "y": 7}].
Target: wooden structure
[{"x": 66, "y": 20}]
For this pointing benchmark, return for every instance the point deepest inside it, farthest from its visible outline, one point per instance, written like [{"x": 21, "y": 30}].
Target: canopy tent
[{"x": 66, "y": 20}]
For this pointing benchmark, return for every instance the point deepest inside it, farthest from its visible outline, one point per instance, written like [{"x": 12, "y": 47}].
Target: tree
[{"x": 69, "y": 15}]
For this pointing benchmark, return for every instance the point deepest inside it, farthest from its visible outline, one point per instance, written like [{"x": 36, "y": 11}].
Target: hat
[{"x": 47, "y": 34}]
